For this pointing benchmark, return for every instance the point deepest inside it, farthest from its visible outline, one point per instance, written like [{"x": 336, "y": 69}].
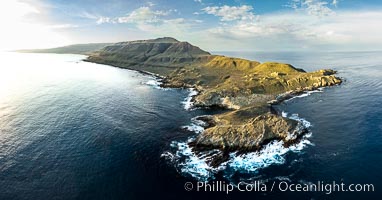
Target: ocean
[{"x": 76, "y": 130}]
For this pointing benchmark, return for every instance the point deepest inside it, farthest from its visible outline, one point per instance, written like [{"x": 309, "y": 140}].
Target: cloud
[
  {"x": 335, "y": 3},
  {"x": 346, "y": 30},
  {"x": 142, "y": 15},
  {"x": 64, "y": 26},
  {"x": 151, "y": 4},
  {"x": 166, "y": 26},
  {"x": 309, "y": 26},
  {"x": 231, "y": 13},
  {"x": 102, "y": 20},
  {"x": 88, "y": 15},
  {"x": 180, "y": 28},
  {"x": 154, "y": 22},
  {"x": 314, "y": 7},
  {"x": 199, "y": 1}
]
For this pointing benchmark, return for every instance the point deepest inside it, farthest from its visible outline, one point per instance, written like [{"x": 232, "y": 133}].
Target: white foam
[
  {"x": 303, "y": 124},
  {"x": 196, "y": 125},
  {"x": 305, "y": 94},
  {"x": 188, "y": 104},
  {"x": 155, "y": 83},
  {"x": 168, "y": 155},
  {"x": 187, "y": 163},
  {"x": 303, "y": 121},
  {"x": 194, "y": 128},
  {"x": 295, "y": 117},
  {"x": 270, "y": 154},
  {"x": 190, "y": 164},
  {"x": 196, "y": 166}
]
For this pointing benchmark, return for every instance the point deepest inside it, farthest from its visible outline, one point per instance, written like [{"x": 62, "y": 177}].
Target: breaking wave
[
  {"x": 189, "y": 164},
  {"x": 155, "y": 83},
  {"x": 306, "y": 93},
  {"x": 188, "y": 103},
  {"x": 195, "y": 165},
  {"x": 196, "y": 125}
]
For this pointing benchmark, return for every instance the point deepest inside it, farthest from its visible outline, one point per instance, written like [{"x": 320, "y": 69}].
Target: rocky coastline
[{"x": 246, "y": 89}]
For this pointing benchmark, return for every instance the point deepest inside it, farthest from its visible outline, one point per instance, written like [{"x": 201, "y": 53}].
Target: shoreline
[
  {"x": 221, "y": 158},
  {"x": 246, "y": 89},
  {"x": 140, "y": 71}
]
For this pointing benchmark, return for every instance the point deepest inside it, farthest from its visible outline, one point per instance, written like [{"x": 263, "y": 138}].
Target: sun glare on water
[{"x": 21, "y": 31}]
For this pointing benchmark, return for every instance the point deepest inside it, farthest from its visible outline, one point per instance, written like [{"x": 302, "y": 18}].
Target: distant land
[
  {"x": 246, "y": 89},
  {"x": 84, "y": 49}
]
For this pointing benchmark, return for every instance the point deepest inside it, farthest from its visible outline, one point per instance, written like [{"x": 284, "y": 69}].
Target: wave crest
[
  {"x": 188, "y": 104},
  {"x": 195, "y": 165}
]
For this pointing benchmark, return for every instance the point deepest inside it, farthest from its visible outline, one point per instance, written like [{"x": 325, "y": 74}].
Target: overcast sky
[{"x": 236, "y": 25}]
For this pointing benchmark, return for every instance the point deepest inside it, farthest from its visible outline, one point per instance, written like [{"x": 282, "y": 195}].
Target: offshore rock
[
  {"x": 247, "y": 88},
  {"x": 249, "y": 136}
]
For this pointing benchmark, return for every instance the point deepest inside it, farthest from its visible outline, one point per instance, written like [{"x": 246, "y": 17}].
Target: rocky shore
[{"x": 247, "y": 89}]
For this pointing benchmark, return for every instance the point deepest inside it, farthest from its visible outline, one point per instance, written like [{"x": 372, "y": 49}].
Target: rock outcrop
[
  {"x": 245, "y": 87},
  {"x": 249, "y": 135}
]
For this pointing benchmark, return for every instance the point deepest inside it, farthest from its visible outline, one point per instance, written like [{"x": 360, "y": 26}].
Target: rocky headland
[{"x": 247, "y": 89}]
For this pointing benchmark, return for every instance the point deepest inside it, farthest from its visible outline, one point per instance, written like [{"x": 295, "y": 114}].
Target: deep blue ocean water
[{"x": 76, "y": 130}]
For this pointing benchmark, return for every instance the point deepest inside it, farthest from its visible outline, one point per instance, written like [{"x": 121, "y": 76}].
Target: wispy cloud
[
  {"x": 240, "y": 27},
  {"x": 335, "y": 3},
  {"x": 314, "y": 7},
  {"x": 87, "y": 15},
  {"x": 103, "y": 20},
  {"x": 344, "y": 30},
  {"x": 64, "y": 26},
  {"x": 313, "y": 24},
  {"x": 141, "y": 15},
  {"x": 154, "y": 22},
  {"x": 151, "y": 4},
  {"x": 231, "y": 13}
]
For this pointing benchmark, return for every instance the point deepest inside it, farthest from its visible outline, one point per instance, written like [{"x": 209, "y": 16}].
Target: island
[
  {"x": 246, "y": 89},
  {"x": 84, "y": 49}
]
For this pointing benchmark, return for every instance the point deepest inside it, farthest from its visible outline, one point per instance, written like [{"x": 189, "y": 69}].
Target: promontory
[{"x": 246, "y": 89}]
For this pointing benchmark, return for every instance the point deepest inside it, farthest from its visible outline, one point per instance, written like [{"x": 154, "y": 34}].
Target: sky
[{"x": 225, "y": 25}]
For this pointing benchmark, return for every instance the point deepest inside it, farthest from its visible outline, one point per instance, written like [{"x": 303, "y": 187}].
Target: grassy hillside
[
  {"x": 160, "y": 56},
  {"x": 247, "y": 87}
]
